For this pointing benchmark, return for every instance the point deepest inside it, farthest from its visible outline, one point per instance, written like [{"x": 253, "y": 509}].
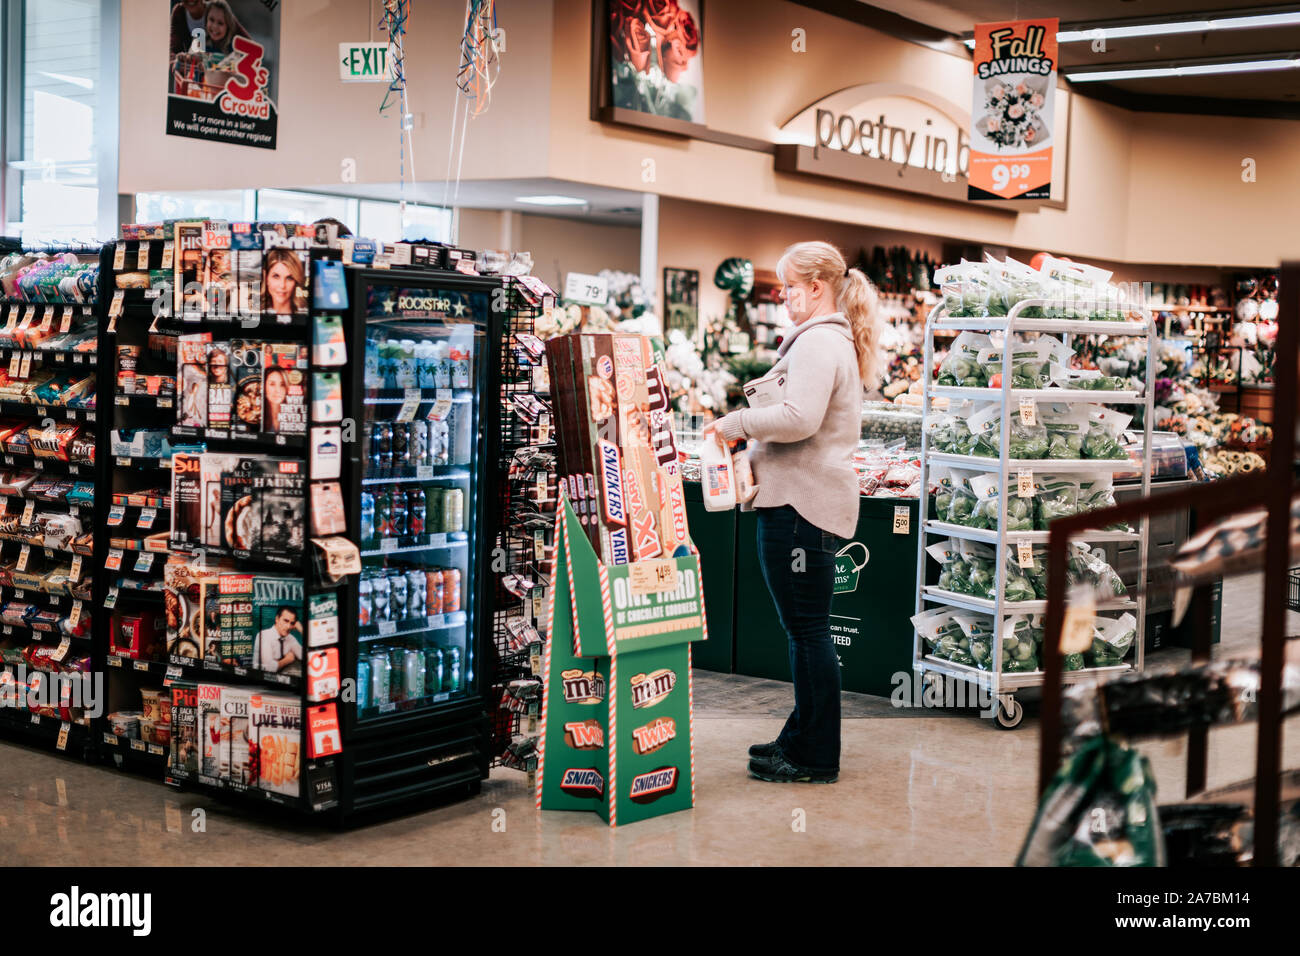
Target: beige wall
[
  {"x": 323, "y": 120},
  {"x": 1142, "y": 187}
]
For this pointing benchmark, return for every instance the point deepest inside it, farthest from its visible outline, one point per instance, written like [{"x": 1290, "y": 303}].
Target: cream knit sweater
[{"x": 805, "y": 453}]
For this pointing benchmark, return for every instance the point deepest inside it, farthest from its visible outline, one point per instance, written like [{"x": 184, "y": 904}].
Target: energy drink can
[
  {"x": 417, "y": 442},
  {"x": 397, "y": 668},
  {"x": 451, "y": 670},
  {"x": 363, "y": 684},
  {"x": 415, "y": 596},
  {"x": 365, "y": 606},
  {"x": 413, "y": 675},
  {"x": 401, "y": 447},
  {"x": 397, "y": 595},
  {"x": 433, "y": 670},
  {"x": 450, "y": 590},
  {"x": 380, "y": 669},
  {"x": 453, "y": 510},
  {"x": 433, "y": 590},
  {"x": 381, "y": 608}
]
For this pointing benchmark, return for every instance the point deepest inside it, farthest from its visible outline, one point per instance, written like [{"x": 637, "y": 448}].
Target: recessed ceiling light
[
  {"x": 551, "y": 200},
  {"x": 1196, "y": 69}
]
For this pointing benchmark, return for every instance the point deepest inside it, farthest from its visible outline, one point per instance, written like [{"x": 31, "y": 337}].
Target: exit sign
[{"x": 364, "y": 63}]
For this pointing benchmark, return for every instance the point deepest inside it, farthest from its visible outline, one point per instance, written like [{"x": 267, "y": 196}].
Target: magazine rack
[{"x": 617, "y": 689}]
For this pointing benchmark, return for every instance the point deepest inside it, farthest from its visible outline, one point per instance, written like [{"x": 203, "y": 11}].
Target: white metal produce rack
[{"x": 1004, "y": 686}]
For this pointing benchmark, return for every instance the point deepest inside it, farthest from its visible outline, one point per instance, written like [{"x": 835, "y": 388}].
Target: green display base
[{"x": 616, "y": 733}]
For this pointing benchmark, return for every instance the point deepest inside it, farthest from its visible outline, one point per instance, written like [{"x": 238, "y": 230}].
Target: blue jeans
[{"x": 798, "y": 562}]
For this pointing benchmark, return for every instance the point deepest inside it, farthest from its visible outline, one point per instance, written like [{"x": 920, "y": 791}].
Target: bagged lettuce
[
  {"x": 1089, "y": 567},
  {"x": 963, "y": 506},
  {"x": 1020, "y": 282},
  {"x": 1057, "y": 496},
  {"x": 981, "y": 569},
  {"x": 978, "y": 631},
  {"x": 1023, "y": 442},
  {"x": 1098, "y": 493},
  {"x": 935, "y": 624},
  {"x": 941, "y": 482},
  {"x": 1066, "y": 426},
  {"x": 1019, "y": 645},
  {"x": 1072, "y": 662},
  {"x": 950, "y": 432},
  {"x": 1111, "y": 640},
  {"x": 1029, "y": 361},
  {"x": 1102, "y": 437},
  {"x": 964, "y": 288},
  {"x": 1020, "y": 586},
  {"x": 962, "y": 366}
]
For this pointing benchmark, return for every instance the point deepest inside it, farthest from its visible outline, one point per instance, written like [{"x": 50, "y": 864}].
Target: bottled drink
[
  {"x": 398, "y": 522},
  {"x": 453, "y": 510},
  {"x": 374, "y": 379},
  {"x": 381, "y": 459},
  {"x": 461, "y": 350},
  {"x": 380, "y": 674},
  {"x": 413, "y": 674},
  {"x": 367, "y": 517},
  {"x": 383, "y": 513},
  {"x": 469, "y": 664},
  {"x": 379, "y": 598},
  {"x": 439, "y": 443},
  {"x": 425, "y": 365},
  {"x": 433, "y": 670},
  {"x": 450, "y": 590},
  {"x": 365, "y": 609},
  {"x": 417, "y": 443},
  {"x": 397, "y": 595},
  {"x": 363, "y": 684},
  {"x": 416, "y": 511},
  {"x": 416, "y": 600},
  {"x": 433, "y": 591},
  {"x": 442, "y": 365},
  {"x": 397, "y": 667},
  {"x": 390, "y": 357},
  {"x": 367, "y": 443},
  {"x": 451, "y": 670},
  {"x": 401, "y": 448},
  {"x": 406, "y": 373}
]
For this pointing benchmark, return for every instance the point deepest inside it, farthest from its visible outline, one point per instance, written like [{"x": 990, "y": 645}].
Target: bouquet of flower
[
  {"x": 1013, "y": 113},
  {"x": 652, "y": 43}
]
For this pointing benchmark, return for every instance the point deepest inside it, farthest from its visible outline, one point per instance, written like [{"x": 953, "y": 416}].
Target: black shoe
[
  {"x": 780, "y": 770},
  {"x": 765, "y": 751}
]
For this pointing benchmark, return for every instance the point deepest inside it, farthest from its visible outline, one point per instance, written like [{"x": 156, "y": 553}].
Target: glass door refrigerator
[{"x": 423, "y": 367}]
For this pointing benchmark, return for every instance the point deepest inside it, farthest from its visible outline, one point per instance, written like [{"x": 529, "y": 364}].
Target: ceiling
[
  {"x": 1268, "y": 93},
  {"x": 614, "y": 207}
]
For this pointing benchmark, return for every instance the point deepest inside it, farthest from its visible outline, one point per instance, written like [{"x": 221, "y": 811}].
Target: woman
[
  {"x": 807, "y": 499},
  {"x": 275, "y": 390},
  {"x": 221, "y": 27},
  {"x": 283, "y": 276}
]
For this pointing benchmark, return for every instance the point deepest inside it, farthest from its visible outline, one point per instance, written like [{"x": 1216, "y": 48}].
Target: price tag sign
[
  {"x": 75, "y": 571},
  {"x": 1024, "y": 554},
  {"x": 114, "y": 560},
  {"x": 61, "y": 651},
  {"x": 424, "y": 471},
  {"x": 117, "y": 513},
  {"x": 652, "y": 577},
  {"x": 74, "y": 617},
  {"x": 1076, "y": 632},
  {"x": 539, "y": 603},
  {"x": 1028, "y": 412},
  {"x": 119, "y": 257},
  {"x": 541, "y": 486},
  {"x": 29, "y": 509},
  {"x": 539, "y": 545},
  {"x": 147, "y": 516},
  {"x": 387, "y": 627},
  {"x": 141, "y": 665},
  {"x": 26, "y": 370},
  {"x": 441, "y": 405},
  {"x": 174, "y": 672},
  {"x": 544, "y": 428},
  {"x": 65, "y": 323},
  {"x": 142, "y": 256},
  {"x": 169, "y": 250},
  {"x": 902, "y": 519},
  {"x": 47, "y": 318},
  {"x": 23, "y": 556},
  {"x": 388, "y": 544},
  {"x": 115, "y": 307},
  {"x": 4, "y": 507},
  {"x": 410, "y": 405},
  {"x": 14, "y": 361},
  {"x": 586, "y": 289},
  {"x": 1025, "y": 483},
  {"x": 144, "y": 561},
  {"x": 62, "y": 743}
]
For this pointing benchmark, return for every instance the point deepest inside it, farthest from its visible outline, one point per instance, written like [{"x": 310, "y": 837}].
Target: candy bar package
[
  {"x": 284, "y": 388},
  {"x": 192, "y": 379},
  {"x": 220, "y": 386},
  {"x": 246, "y": 375},
  {"x": 184, "y": 762},
  {"x": 277, "y": 729}
]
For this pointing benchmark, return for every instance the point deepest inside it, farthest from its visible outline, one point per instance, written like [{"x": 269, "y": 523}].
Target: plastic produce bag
[
  {"x": 964, "y": 288},
  {"x": 963, "y": 508},
  {"x": 1029, "y": 361},
  {"x": 1023, "y": 282},
  {"x": 1019, "y": 645},
  {"x": 981, "y": 568},
  {"x": 933, "y": 625},
  {"x": 1019, "y": 587},
  {"x": 941, "y": 482},
  {"x": 1098, "y": 493},
  {"x": 951, "y": 434},
  {"x": 1111, "y": 640},
  {"x": 1066, "y": 427},
  {"x": 962, "y": 366},
  {"x": 1102, "y": 438},
  {"x": 1023, "y": 441},
  {"x": 1034, "y": 574},
  {"x": 1020, "y": 511},
  {"x": 1056, "y": 497},
  {"x": 1090, "y": 568},
  {"x": 1098, "y": 810},
  {"x": 953, "y": 574},
  {"x": 978, "y": 631}
]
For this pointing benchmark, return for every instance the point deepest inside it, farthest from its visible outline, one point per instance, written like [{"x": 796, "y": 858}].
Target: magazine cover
[
  {"x": 184, "y": 760},
  {"x": 285, "y": 271},
  {"x": 284, "y": 388},
  {"x": 187, "y": 294},
  {"x": 218, "y": 273},
  {"x": 246, "y": 370},
  {"x": 280, "y": 490},
  {"x": 246, "y": 252},
  {"x": 213, "y": 472},
  {"x": 277, "y": 730},
  {"x": 192, "y": 379},
  {"x": 239, "y": 528},
  {"x": 277, "y": 617},
  {"x": 236, "y": 619},
  {"x": 235, "y": 736},
  {"x": 210, "y": 733},
  {"x": 187, "y": 501},
  {"x": 220, "y": 388}
]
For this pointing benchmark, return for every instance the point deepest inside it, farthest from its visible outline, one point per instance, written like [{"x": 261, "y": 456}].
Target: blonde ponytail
[{"x": 855, "y": 296}]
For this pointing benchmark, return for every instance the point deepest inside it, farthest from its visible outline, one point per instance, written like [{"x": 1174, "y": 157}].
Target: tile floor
[{"x": 946, "y": 790}]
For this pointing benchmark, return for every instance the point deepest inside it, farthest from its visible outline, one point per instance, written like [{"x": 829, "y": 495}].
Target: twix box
[{"x": 640, "y": 477}]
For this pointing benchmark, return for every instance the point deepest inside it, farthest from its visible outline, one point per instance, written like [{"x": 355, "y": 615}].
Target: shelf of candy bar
[
  {"x": 48, "y": 691},
  {"x": 528, "y": 498},
  {"x": 888, "y": 470}
]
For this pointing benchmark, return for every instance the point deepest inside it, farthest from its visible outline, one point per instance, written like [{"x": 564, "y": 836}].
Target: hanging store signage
[
  {"x": 223, "y": 71},
  {"x": 364, "y": 63},
  {"x": 1011, "y": 113},
  {"x": 881, "y": 134}
]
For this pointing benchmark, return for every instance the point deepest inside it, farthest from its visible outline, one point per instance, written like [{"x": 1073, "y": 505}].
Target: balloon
[{"x": 1036, "y": 263}]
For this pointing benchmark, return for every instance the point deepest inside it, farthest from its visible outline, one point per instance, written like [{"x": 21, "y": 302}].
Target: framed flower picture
[
  {"x": 682, "y": 301},
  {"x": 655, "y": 53}
]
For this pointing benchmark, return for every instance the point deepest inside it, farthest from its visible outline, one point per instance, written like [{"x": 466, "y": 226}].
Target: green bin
[{"x": 714, "y": 533}]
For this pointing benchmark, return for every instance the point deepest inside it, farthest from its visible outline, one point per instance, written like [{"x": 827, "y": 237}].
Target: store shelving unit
[
  {"x": 525, "y": 530},
  {"x": 1002, "y": 686}
]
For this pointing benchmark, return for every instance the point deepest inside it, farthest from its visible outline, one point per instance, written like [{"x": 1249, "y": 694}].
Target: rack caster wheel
[{"x": 1009, "y": 713}]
